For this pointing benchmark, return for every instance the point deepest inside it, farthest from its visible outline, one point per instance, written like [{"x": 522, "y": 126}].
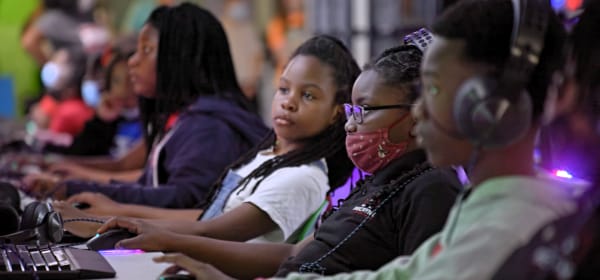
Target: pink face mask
[{"x": 373, "y": 150}]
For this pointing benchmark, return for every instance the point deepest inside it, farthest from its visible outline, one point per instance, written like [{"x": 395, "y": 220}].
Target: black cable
[
  {"x": 316, "y": 267},
  {"x": 90, "y": 220}
]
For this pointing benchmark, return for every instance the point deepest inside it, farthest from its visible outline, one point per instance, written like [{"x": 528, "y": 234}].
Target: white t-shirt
[{"x": 289, "y": 195}]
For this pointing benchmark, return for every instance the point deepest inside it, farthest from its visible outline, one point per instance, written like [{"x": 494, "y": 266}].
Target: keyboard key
[
  {"x": 4, "y": 261},
  {"x": 50, "y": 260},
  {"x": 15, "y": 263},
  {"x": 38, "y": 260},
  {"x": 61, "y": 257}
]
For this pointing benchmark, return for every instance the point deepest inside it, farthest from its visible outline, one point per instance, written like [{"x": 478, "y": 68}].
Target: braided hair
[
  {"x": 193, "y": 60},
  {"x": 399, "y": 67},
  {"x": 329, "y": 144}
]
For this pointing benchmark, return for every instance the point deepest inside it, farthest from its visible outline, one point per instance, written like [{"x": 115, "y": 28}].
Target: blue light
[{"x": 557, "y": 4}]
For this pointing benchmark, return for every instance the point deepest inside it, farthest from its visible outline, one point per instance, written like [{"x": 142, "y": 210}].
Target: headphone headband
[
  {"x": 527, "y": 42},
  {"x": 496, "y": 110}
]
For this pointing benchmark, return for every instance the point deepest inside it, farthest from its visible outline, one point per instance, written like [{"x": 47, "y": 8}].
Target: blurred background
[{"x": 262, "y": 34}]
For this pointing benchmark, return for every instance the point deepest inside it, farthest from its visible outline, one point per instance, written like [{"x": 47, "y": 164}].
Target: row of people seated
[{"x": 404, "y": 203}]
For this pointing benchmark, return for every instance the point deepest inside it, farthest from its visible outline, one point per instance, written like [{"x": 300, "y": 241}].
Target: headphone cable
[{"x": 89, "y": 220}]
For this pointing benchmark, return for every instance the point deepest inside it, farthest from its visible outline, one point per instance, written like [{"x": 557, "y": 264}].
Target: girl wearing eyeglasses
[{"x": 387, "y": 215}]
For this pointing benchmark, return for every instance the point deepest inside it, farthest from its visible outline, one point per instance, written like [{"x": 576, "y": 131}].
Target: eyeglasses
[{"x": 358, "y": 112}]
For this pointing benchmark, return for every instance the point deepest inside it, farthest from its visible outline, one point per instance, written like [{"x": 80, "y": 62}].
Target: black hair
[
  {"x": 329, "y": 144},
  {"x": 486, "y": 27},
  {"x": 77, "y": 60},
  {"x": 585, "y": 41},
  {"x": 67, "y": 6},
  {"x": 399, "y": 67},
  {"x": 193, "y": 60}
]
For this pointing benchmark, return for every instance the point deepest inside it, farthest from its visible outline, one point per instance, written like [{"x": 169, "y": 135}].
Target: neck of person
[
  {"x": 283, "y": 146},
  {"x": 514, "y": 160}
]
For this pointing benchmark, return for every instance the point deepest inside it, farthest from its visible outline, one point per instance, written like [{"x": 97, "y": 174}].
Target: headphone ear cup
[
  {"x": 53, "y": 225},
  {"x": 9, "y": 218},
  {"x": 486, "y": 117},
  {"x": 28, "y": 220},
  {"x": 34, "y": 214}
]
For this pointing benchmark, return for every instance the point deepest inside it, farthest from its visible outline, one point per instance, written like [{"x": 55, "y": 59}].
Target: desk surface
[{"x": 134, "y": 265}]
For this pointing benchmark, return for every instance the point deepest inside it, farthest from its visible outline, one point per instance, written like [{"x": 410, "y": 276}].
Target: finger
[
  {"x": 132, "y": 243},
  {"x": 171, "y": 270},
  {"x": 182, "y": 261},
  {"x": 85, "y": 197},
  {"x": 119, "y": 223}
]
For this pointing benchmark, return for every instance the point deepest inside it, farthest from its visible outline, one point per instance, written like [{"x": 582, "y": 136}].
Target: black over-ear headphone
[
  {"x": 493, "y": 111},
  {"x": 39, "y": 224}
]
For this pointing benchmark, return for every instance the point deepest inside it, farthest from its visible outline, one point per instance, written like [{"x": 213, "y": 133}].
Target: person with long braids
[
  {"x": 197, "y": 119},
  {"x": 387, "y": 215},
  {"x": 269, "y": 193}
]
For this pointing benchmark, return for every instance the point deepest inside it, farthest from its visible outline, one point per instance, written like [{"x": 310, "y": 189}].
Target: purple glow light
[
  {"x": 562, "y": 174},
  {"x": 121, "y": 252}
]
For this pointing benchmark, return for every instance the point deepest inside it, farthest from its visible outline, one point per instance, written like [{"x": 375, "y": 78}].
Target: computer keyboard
[{"x": 51, "y": 262}]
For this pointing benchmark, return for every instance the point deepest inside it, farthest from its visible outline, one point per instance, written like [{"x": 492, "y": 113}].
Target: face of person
[
  {"x": 142, "y": 65},
  {"x": 370, "y": 91},
  {"x": 303, "y": 105},
  {"x": 443, "y": 70},
  {"x": 120, "y": 85},
  {"x": 57, "y": 73}
]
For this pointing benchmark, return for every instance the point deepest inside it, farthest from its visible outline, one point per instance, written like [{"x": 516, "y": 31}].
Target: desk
[{"x": 135, "y": 265}]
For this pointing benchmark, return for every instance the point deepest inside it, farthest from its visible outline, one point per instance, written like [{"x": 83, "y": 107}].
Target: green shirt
[{"x": 500, "y": 215}]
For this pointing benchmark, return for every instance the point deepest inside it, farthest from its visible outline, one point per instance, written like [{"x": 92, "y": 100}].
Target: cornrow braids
[
  {"x": 399, "y": 67},
  {"x": 329, "y": 144}
]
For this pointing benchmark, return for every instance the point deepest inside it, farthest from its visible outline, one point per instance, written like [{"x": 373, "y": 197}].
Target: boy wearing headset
[{"x": 481, "y": 108}]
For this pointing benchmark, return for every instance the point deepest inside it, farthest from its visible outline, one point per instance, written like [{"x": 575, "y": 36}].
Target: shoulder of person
[{"x": 438, "y": 181}]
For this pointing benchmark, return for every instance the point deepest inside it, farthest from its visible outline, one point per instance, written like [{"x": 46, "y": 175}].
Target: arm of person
[
  {"x": 240, "y": 224},
  {"x": 240, "y": 260},
  {"x": 133, "y": 160},
  {"x": 32, "y": 42},
  {"x": 283, "y": 201},
  {"x": 77, "y": 172},
  {"x": 167, "y": 218}
]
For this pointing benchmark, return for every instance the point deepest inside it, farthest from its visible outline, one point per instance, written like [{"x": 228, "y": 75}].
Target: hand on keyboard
[{"x": 198, "y": 269}]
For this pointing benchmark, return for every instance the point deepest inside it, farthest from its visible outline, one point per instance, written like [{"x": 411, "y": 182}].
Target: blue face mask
[
  {"x": 90, "y": 92},
  {"x": 50, "y": 75}
]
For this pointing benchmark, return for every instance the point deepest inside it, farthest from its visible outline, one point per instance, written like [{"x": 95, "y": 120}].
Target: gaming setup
[
  {"x": 33, "y": 244},
  {"x": 31, "y": 248}
]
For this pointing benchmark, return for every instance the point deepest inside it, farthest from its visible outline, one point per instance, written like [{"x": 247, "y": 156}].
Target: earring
[
  {"x": 411, "y": 132},
  {"x": 382, "y": 153}
]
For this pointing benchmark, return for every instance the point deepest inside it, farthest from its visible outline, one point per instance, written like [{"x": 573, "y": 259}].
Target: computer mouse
[
  {"x": 176, "y": 277},
  {"x": 108, "y": 239}
]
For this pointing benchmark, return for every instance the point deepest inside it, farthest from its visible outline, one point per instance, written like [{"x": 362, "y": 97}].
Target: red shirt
[{"x": 70, "y": 116}]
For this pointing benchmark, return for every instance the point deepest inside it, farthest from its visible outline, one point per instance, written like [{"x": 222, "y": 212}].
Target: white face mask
[
  {"x": 130, "y": 114},
  {"x": 90, "y": 92},
  {"x": 240, "y": 11},
  {"x": 85, "y": 6},
  {"x": 55, "y": 76}
]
